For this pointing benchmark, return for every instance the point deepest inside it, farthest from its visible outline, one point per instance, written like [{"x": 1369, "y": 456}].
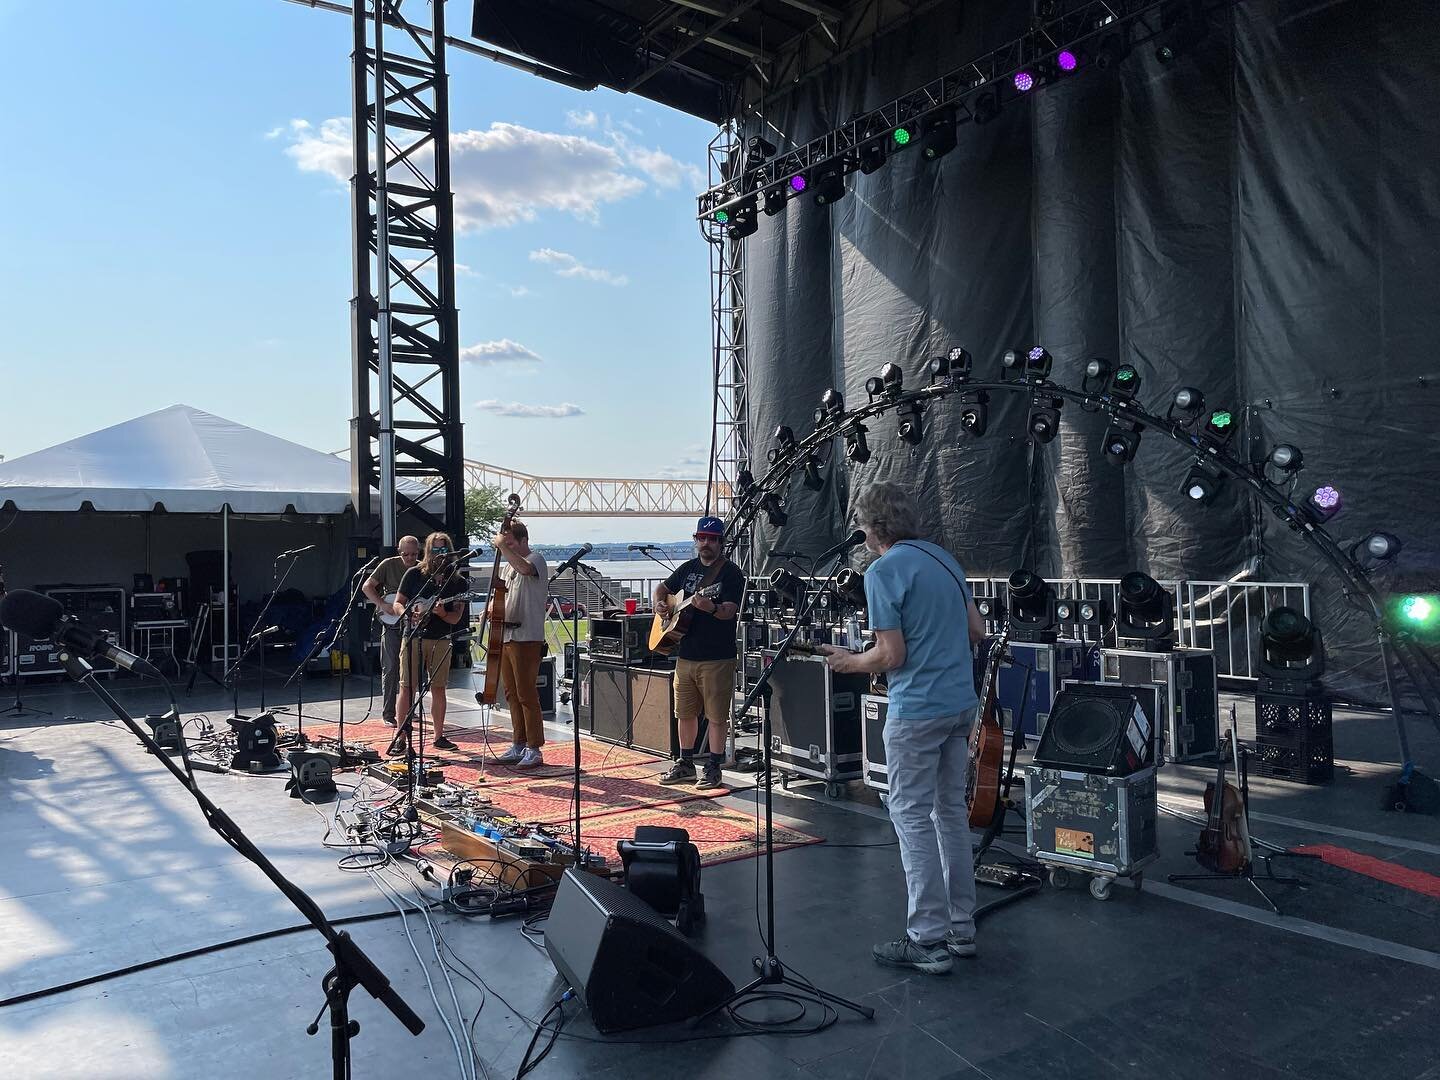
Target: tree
[{"x": 484, "y": 510}]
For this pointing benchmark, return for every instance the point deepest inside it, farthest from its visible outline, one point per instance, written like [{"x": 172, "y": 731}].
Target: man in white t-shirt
[{"x": 527, "y": 585}]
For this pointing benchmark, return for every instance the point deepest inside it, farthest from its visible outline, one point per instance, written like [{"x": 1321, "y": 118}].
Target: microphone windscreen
[{"x": 30, "y": 614}]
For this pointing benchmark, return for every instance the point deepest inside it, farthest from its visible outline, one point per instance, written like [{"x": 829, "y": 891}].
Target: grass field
[{"x": 556, "y": 635}]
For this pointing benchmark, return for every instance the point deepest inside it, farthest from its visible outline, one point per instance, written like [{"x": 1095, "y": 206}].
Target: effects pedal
[{"x": 1003, "y": 877}]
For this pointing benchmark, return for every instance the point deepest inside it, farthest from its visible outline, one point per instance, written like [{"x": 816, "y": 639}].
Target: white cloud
[
  {"x": 518, "y": 290},
  {"x": 582, "y": 119},
  {"x": 665, "y": 170},
  {"x": 276, "y": 132},
  {"x": 567, "y": 265},
  {"x": 515, "y": 408},
  {"x": 504, "y": 351}
]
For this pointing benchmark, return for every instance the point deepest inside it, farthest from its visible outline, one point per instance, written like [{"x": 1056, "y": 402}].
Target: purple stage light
[
  {"x": 1327, "y": 498},
  {"x": 1067, "y": 60},
  {"x": 1036, "y": 353},
  {"x": 797, "y": 182},
  {"x": 1024, "y": 81}
]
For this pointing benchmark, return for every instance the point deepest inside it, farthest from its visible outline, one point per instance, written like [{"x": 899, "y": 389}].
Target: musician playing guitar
[
  {"x": 527, "y": 587},
  {"x": 919, "y": 605},
  {"x": 426, "y": 654},
  {"x": 380, "y": 589},
  {"x": 705, "y": 670}
]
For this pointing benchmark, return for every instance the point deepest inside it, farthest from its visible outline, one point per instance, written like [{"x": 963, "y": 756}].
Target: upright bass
[{"x": 495, "y": 622}]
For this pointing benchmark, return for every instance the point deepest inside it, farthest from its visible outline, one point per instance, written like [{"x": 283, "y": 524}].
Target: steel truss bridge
[{"x": 592, "y": 496}]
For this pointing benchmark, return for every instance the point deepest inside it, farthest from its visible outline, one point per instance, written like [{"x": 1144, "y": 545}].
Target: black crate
[
  {"x": 1299, "y": 759},
  {"x": 1292, "y": 717}
]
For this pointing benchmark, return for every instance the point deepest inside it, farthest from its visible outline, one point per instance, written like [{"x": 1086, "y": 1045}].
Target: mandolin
[
  {"x": 1224, "y": 845},
  {"x": 987, "y": 744},
  {"x": 495, "y": 622}
]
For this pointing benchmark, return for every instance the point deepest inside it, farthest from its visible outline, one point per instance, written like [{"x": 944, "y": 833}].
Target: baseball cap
[{"x": 709, "y": 526}]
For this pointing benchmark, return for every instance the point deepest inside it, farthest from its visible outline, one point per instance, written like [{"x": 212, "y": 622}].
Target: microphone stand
[
  {"x": 770, "y": 971},
  {"x": 232, "y": 676},
  {"x": 352, "y": 967}
]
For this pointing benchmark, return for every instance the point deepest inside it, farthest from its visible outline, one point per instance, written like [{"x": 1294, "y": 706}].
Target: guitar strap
[
  {"x": 964, "y": 595},
  {"x": 714, "y": 573}
]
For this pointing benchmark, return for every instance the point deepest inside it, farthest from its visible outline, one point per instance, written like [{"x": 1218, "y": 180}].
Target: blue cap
[{"x": 709, "y": 526}]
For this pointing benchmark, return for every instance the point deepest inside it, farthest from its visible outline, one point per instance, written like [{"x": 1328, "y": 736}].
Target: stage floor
[{"x": 108, "y": 863}]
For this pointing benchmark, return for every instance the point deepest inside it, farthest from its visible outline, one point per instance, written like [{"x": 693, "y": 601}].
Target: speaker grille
[
  {"x": 1099, "y": 728},
  {"x": 1084, "y": 727}
]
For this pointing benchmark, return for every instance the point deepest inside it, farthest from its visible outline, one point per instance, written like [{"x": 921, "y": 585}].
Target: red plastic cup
[{"x": 631, "y": 605}]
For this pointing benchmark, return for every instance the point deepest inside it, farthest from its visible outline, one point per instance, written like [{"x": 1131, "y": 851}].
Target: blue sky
[{"x": 177, "y": 231}]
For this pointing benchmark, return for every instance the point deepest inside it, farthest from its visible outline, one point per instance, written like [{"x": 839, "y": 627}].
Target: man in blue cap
[{"x": 705, "y": 670}]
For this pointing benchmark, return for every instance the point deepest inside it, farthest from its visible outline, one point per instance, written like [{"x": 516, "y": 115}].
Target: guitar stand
[{"x": 1248, "y": 873}]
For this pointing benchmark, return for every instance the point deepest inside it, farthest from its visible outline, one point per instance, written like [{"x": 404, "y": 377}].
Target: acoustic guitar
[
  {"x": 667, "y": 630},
  {"x": 1224, "y": 845},
  {"x": 987, "y": 744}
]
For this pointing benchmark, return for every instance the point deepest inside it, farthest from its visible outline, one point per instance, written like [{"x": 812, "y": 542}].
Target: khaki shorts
[
  {"x": 705, "y": 687},
  {"x": 435, "y": 652}
]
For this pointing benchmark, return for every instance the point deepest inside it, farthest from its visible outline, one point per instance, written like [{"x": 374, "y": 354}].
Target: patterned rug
[{"x": 721, "y": 834}]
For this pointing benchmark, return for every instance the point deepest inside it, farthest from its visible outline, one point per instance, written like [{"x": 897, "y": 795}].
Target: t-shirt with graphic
[
  {"x": 414, "y": 587},
  {"x": 708, "y": 638}
]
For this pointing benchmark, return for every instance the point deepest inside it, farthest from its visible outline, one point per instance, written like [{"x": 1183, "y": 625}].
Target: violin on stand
[{"x": 495, "y": 620}]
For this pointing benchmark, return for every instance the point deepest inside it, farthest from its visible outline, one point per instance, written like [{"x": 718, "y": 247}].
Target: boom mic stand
[
  {"x": 352, "y": 967},
  {"x": 770, "y": 972},
  {"x": 232, "y": 675}
]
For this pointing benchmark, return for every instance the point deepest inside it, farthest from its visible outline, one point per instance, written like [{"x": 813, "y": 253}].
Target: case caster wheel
[
  {"x": 834, "y": 789},
  {"x": 1059, "y": 878},
  {"x": 1137, "y": 880},
  {"x": 1100, "y": 888}
]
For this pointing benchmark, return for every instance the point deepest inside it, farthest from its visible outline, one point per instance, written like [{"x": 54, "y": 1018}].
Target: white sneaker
[
  {"x": 530, "y": 759},
  {"x": 511, "y": 756}
]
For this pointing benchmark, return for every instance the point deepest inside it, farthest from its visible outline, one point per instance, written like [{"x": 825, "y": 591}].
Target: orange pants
[{"x": 519, "y": 668}]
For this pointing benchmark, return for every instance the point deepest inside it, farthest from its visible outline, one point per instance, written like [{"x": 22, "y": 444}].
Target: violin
[
  {"x": 1224, "y": 845},
  {"x": 495, "y": 623}
]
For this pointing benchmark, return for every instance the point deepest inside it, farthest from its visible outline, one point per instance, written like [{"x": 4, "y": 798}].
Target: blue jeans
[{"x": 927, "y": 761}]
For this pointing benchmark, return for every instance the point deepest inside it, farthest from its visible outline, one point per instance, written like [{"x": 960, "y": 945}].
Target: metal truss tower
[
  {"x": 406, "y": 443},
  {"x": 731, "y": 355}
]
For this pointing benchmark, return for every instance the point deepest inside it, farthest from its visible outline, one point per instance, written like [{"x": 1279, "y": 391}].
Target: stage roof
[{"x": 702, "y": 57}]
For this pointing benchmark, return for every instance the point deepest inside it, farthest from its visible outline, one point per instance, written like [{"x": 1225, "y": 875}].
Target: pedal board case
[
  {"x": 1100, "y": 824},
  {"x": 815, "y": 721}
]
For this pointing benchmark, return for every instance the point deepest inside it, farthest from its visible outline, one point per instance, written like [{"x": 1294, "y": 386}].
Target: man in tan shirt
[{"x": 383, "y": 582}]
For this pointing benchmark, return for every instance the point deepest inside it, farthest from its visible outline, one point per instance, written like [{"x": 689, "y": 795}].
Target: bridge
[{"x": 594, "y": 496}]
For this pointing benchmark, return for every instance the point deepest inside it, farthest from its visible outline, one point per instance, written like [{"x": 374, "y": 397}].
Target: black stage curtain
[{"x": 1255, "y": 220}]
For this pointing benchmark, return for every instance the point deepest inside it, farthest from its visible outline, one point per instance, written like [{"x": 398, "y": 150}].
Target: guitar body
[
  {"x": 495, "y": 635},
  {"x": 987, "y": 745},
  {"x": 667, "y": 630}
]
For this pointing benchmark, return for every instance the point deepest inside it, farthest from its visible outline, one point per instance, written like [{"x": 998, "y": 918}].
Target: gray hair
[{"x": 887, "y": 513}]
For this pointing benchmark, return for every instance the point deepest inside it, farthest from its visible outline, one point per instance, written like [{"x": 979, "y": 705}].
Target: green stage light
[
  {"x": 902, "y": 136},
  {"x": 722, "y": 216},
  {"x": 1418, "y": 610}
]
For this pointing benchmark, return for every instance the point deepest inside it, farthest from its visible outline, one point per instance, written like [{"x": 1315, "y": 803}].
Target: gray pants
[
  {"x": 927, "y": 761},
  {"x": 389, "y": 669}
]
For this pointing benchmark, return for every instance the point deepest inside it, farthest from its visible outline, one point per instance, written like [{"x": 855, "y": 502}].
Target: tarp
[
  {"x": 1256, "y": 220},
  {"x": 180, "y": 460}
]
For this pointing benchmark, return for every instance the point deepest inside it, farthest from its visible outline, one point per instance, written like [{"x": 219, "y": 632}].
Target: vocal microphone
[
  {"x": 296, "y": 551},
  {"x": 38, "y": 616},
  {"x": 779, "y": 554},
  {"x": 264, "y": 633},
  {"x": 640, "y": 547},
  {"x": 569, "y": 563},
  {"x": 853, "y": 540},
  {"x": 461, "y": 556}
]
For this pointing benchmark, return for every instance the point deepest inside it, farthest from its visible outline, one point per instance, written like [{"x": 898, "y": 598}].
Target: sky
[{"x": 176, "y": 230}]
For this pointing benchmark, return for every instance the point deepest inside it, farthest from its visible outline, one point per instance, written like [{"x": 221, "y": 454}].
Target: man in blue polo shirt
[{"x": 918, "y": 604}]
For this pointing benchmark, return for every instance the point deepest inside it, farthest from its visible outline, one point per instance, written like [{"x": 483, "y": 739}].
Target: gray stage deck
[{"x": 108, "y": 863}]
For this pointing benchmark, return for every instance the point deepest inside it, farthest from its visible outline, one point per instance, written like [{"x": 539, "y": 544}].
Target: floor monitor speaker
[
  {"x": 626, "y": 964},
  {"x": 1099, "y": 728}
]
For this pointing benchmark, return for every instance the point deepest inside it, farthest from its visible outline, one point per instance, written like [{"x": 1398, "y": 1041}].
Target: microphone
[
  {"x": 297, "y": 551},
  {"x": 777, "y": 553},
  {"x": 569, "y": 563},
  {"x": 38, "y": 616},
  {"x": 853, "y": 540},
  {"x": 461, "y": 556},
  {"x": 264, "y": 633},
  {"x": 640, "y": 547}
]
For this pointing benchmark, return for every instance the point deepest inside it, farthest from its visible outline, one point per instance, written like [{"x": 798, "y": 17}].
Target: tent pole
[{"x": 225, "y": 577}]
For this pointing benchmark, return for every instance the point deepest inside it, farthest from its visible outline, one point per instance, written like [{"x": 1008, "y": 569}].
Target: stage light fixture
[
  {"x": 784, "y": 444},
  {"x": 1186, "y": 406},
  {"x": 744, "y": 220},
  {"x": 975, "y": 412},
  {"x": 939, "y": 368},
  {"x": 774, "y": 200},
  {"x": 939, "y": 134},
  {"x": 1147, "y": 612},
  {"x": 1290, "y": 646},
  {"x": 745, "y": 481},
  {"x": 986, "y": 107},
  {"x": 903, "y": 136},
  {"x": 831, "y": 405},
  {"x": 255, "y": 740},
  {"x": 961, "y": 363},
  {"x": 911, "y": 428},
  {"x": 850, "y": 584},
  {"x": 1220, "y": 426},
  {"x": 1382, "y": 546},
  {"x": 813, "y": 478},
  {"x": 760, "y": 150},
  {"x": 989, "y": 608},
  {"x": 1024, "y": 81},
  {"x": 1323, "y": 504},
  {"x": 1182, "y": 27},
  {"x": 872, "y": 155},
  {"x": 1202, "y": 484},
  {"x": 892, "y": 380},
  {"x": 799, "y": 183},
  {"x": 857, "y": 447},
  {"x": 1418, "y": 612},
  {"x": 1097, "y": 375},
  {"x": 1125, "y": 382},
  {"x": 1287, "y": 458},
  {"x": 1043, "y": 423},
  {"x": 774, "y": 511},
  {"x": 1121, "y": 443},
  {"x": 722, "y": 217},
  {"x": 311, "y": 773},
  {"x": 830, "y": 185},
  {"x": 1112, "y": 49},
  {"x": 1032, "y": 607},
  {"x": 1066, "y": 60},
  {"x": 789, "y": 586},
  {"x": 1038, "y": 362}
]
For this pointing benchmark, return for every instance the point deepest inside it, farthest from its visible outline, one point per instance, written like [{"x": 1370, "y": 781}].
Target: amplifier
[
  {"x": 1190, "y": 725},
  {"x": 621, "y": 637},
  {"x": 815, "y": 721},
  {"x": 100, "y": 607},
  {"x": 634, "y": 706},
  {"x": 1093, "y": 822},
  {"x": 154, "y": 607},
  {"x": 872, "y": 740},
  {"x": 1030, "y": 677},
  {"x": 544, "y": 682}
]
